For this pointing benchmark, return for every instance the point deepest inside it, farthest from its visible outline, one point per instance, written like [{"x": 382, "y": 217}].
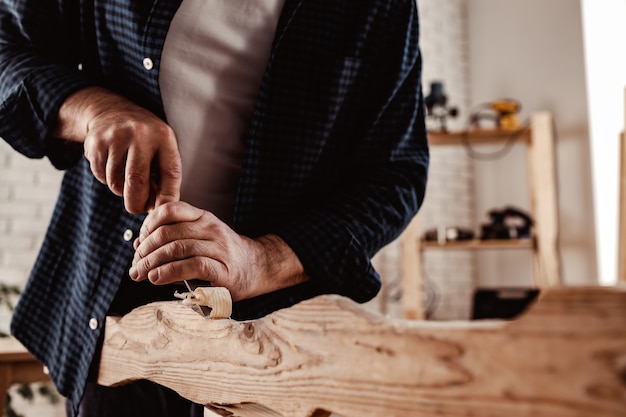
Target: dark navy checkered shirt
[{"x": 335, "y": 164}]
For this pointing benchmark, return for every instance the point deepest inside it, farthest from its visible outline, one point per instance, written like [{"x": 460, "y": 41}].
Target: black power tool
[{"x": 508, "y": 223}]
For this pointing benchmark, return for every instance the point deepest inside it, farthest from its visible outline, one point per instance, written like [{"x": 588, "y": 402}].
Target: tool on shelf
[
  {"x": 437, "y": 108},
  {"x": 503, "y": 114}
]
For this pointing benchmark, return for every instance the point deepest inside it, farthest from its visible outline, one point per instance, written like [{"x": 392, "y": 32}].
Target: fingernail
[{"x": 133, "y": 272}]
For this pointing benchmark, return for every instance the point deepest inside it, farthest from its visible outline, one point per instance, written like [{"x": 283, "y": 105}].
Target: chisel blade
[{"x": 191, "y": 286}]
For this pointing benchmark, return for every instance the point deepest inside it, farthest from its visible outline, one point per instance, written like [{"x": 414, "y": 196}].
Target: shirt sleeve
[
  {"x": 39, "y": 59},
  {"x": 386, "y": 171}
]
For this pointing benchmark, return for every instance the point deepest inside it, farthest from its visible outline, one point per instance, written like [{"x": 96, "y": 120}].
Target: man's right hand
[{"x": 129, "y": 149}]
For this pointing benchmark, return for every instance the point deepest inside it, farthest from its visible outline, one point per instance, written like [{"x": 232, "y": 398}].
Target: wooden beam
[
  {"x": 413, "y": 299},
  {"x": 621, "y": 254},
  {"x": 544, "y": 200},
  {"x": 565, "y": 357}
]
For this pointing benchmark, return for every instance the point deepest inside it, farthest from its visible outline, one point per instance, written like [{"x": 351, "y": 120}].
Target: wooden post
[
  {"x": 621, "y": 255},
  {"x": 413, "y": 303},
  {"x": 565, "y": 357},
  {"x": 544, "y": 197}
]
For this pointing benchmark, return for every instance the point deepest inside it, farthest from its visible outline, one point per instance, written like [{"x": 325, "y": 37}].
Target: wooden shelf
[
  {"x": 478, "y": 136},
  {"x": 527, "y": 243},
  {"x": 538, "y": 139}
]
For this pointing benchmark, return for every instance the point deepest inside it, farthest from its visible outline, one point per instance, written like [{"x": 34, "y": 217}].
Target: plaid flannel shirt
[{"x": 335, "y": 163}]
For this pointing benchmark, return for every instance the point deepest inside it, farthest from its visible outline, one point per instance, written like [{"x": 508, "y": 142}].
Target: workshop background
[{"x": 481, "y": 50}]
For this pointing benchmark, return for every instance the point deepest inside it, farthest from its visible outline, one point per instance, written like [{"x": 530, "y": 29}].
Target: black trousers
[
  {"x": 141, "y": 398},
  {"x": 138, "y": 399}
]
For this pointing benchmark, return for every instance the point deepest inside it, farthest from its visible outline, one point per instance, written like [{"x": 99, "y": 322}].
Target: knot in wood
[
  {"x": 159, "y": 315},
  {"x": 248, "y": 331},
  {"x": 620, "y": 363}
]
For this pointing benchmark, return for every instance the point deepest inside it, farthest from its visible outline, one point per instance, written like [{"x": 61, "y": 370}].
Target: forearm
[
  {"x": 335, "y": 242},
  {"x": 30, "y": 108},
  {"x": 38, "y": 70}
]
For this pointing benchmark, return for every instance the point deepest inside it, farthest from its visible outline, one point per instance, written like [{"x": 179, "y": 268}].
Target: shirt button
[
  {"x": 93, "y": 323},
  {"x": 80, "y": 67},
  {"x": 128, "y": 235},
  {"x": 147, "y": 64}
]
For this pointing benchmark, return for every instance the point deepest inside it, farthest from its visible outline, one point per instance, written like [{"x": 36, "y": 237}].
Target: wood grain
[{"x": 566, "y": 357}]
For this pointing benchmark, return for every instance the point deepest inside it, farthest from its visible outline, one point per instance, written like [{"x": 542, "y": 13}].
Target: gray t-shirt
[{"x": 213, "y": 60}]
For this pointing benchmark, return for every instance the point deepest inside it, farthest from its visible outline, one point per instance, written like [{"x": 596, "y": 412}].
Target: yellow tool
[{"x": 507, "y": 111}]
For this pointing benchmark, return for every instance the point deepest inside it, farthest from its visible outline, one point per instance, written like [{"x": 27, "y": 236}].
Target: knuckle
[
  {"x": 146, "y": 265},
  {"x": 112, "y": 135},
  {"x": 88, "y": 150},
  {"x": 205, "y": 268},
  {"x": 130, "y": 128},
  {"x": 172, "y": 169},
  {"x": 171, "y": 210},
  {"x": 148, "y": 128},
  {"x": 136, "y": 179},
  {"x": 162, "y": 234},
  {"x": 164, "y": 130},
  {"x": 219, "y": 232},
  {"x": 93, "y": 142},
  {"x": 168, "y": 132},
  {"x": 178, "y": 249},
  {"x": 140, "y": 254}
]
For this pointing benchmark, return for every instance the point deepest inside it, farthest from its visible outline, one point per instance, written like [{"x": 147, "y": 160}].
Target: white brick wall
[
  {"x": 28, "y": 190},
  {"x": 449, "y": 276},
  {"x": 449, "y": 197},
  {"x": 27, "y": 193}
]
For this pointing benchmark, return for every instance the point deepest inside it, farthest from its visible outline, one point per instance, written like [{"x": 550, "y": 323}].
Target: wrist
[
  {"x": 279, "y": 266},
  {"x": 80, "y": 108}
]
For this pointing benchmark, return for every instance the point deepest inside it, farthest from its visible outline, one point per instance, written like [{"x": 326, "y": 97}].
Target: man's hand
[
  {"x": 179, "y": 242},
  {"x": 130, "y": 150}
]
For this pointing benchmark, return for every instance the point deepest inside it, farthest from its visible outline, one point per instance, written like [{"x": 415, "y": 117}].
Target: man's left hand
[{"x": 180, "y": 242}]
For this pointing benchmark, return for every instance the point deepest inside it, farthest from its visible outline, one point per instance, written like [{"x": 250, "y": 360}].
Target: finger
[
  {"x": 169, "y": 213},
  {"x": 97, "y": 157},
  {"x": 176, "y": 250},
  {"x": 154, "y": 186},
  {"x": 169, "y": 172},
  {"x": 136, "y": 181},
  {"x": 163, "y": 236},
  {"x": 197, "y": 267},
  {"x": 115, "y": 167}
]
